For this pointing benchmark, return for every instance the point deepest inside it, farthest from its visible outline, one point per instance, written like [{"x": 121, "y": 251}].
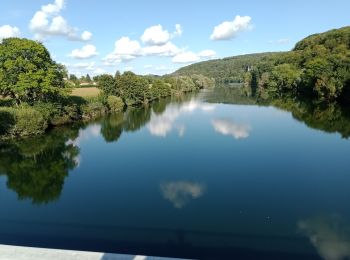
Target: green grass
[{"x": 86, "y": 92}]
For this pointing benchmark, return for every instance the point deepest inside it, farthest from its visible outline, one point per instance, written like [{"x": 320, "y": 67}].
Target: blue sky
[{"x": 160, "y": 36}]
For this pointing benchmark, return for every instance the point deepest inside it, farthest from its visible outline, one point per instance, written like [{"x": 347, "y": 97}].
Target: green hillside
[
  {"x": 226, "y": 70},
  {"x": 318, "y": 67}
]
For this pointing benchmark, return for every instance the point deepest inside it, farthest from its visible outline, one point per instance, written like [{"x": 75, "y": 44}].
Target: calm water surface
[{"x": 188, "y": 177}]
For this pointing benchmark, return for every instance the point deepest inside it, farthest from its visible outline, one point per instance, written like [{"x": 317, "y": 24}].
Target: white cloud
[
  {"x": 124, "y": 50},
  {"x": 178, "y": 30},
  {"x": 7, "y": 31},
  {"x": 168, "y": 49},
  {"x": 155, "y": 35},
  {"x": 230, "y": 29},
  {"x": 229, "y": 127},
  {"x": 125, "y": 46},
  {"x": 186, "y": 57},
  {"x": 85, "y": 52},
  {"x": 179, "y": 193},
  {"x": 86, "y": 36},
  {"x": 207, "y": 54},
  {"x": 148, "y": 66},
  {"x": 48, "y": 22}
]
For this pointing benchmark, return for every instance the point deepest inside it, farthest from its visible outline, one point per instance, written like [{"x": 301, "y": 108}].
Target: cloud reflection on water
[
  {"x": 92, "y": 131},
  {"x": 162, "y": 125},
  {"x": 181, "y": 192},
  {"x": 329, "y": 235},
  {"x": 227, "y": 126}
]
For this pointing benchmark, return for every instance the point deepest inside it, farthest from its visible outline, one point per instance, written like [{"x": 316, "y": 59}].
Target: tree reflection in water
[{"x": 36, "y": 168}]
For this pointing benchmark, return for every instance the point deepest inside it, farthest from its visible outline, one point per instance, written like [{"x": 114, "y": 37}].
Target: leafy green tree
[
  {"x": 27, "y": 72},
  {"x": 106, "y": 83},
  {"x": 283, "y": 78},
  {"x": 133, "y": 89}
]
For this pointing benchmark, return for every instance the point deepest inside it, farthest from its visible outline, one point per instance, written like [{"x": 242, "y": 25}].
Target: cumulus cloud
[
  {"x": 229, "y": 127},
  {"x": 329, "y": 235},
  {"x": 190, "y": 57},
  {"x": 230, "y": 29},
  {"x": 155, "y": 35},
  {"x": 85, "y": 52},
  {"x": 207, "y": 54},
  {"x": 168, "y": 49},
  {"x": 156, "y": 41},
  {"x": 7, "y": 31},
  {"x": 179, "y": 193},
  {"x": 124, "y": 50},
  {"x": 186, "y": 57},
  {"x": 48, "y": 22}
]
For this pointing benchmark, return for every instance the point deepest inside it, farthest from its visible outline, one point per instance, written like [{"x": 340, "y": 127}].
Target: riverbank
[{"x": 24, "y": 120}]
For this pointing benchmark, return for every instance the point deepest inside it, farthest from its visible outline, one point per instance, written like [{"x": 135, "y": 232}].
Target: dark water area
[{"x": 211, "y": 175}]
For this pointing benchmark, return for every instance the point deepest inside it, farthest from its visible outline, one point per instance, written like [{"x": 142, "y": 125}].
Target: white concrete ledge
[{"x": 30, "y": 253}]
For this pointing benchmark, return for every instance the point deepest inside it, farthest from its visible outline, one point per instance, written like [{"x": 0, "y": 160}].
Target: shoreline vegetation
[
  {"x": 39, "y": 94},
  {"x": 36, "y": 94},
  {"x": 318, "y": 68}
]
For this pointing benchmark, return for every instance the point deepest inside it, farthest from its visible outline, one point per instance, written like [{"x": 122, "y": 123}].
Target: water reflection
[
  {"x": 162, "y": 124},
  {"x": 330, "y": 235},
  {"x": 226, "y": 126},
  {"x": 36, "y": 168},
  {"x": 330, "y": 118},
  {"x": 179, "y": 193}
]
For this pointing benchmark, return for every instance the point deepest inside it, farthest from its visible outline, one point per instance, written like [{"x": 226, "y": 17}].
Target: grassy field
[{"x": 85, "y": 92}]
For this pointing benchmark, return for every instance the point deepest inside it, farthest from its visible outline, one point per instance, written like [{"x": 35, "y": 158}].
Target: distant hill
[
  {"x": 228, "y": 70},
  {"x": 317, "y": 67}
]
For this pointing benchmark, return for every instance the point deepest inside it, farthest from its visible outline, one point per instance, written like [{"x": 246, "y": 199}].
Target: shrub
[
  {"x": 23, "y": 121},
  {"x": 115, "y": 104},
  {"x": 93, "y": 110}
]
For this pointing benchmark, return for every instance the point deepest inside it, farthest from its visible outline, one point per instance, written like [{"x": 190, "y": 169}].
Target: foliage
[
  {"x": 37, "y": 167},
  {"x": 115, "y": 104},
  {"x": 27, "y": 72},
  {"x": 134, "y": 90},
  {"x": 22, "y": 121},
  {"x": 318, "y": 67},
  {"x": 227, "y": 70},
  {"x": 107, "y": 84}
]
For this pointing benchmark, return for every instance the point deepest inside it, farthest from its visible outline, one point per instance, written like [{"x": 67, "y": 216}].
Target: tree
[
  {"x": 88, "y": 78},
  {"x": 133, "y": 89},
  {"x": 74, "y": 79},
  {"x": 106, "y": 83},
  {"x": 27, "y": 72}
]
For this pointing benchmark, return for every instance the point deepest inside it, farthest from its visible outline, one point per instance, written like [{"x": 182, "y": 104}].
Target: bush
[
  {"x": 23, "y": 121},
  {"x": 93, "y": 110},
  {"x": 115, "y": 104},
  {"x": 7, "y": 121}
]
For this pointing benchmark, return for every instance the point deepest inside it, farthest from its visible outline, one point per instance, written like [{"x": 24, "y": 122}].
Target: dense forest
[
  {"x": 35, "y": 90},
  {"x": 318, "y": 67},
  {"x": 227, "y": 70}
]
